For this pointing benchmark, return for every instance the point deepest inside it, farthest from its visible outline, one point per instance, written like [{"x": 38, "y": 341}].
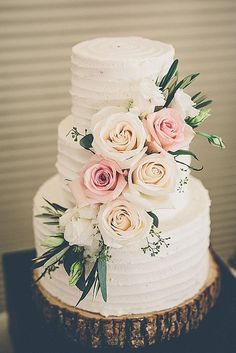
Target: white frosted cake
[{"x": 124, "y": 227}]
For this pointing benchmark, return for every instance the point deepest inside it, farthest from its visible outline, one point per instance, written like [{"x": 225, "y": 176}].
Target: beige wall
[{"x": 36, "y": 39}]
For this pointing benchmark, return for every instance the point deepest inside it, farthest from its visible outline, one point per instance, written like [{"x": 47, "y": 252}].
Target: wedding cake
[{"x": 122, "y": 230}]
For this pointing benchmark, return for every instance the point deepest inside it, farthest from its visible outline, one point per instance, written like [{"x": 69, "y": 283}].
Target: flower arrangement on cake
[{"x": 131, "y": 175}]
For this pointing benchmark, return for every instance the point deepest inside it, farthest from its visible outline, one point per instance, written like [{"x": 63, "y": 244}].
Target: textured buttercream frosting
[
  {"x": 104, "y": 70},
  {"x": 138, "y": 282}
]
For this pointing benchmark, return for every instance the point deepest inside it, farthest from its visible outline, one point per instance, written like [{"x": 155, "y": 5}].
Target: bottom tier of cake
[
  {"x": 93, "y": 330},
  {"x": 137, "y": 282}
]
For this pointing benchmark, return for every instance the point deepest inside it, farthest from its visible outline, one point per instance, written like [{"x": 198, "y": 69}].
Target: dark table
[{"x": 216, "y": 334}]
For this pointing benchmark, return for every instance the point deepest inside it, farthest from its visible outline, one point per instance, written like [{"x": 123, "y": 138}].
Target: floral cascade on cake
[{"x": 131, "y": 175}]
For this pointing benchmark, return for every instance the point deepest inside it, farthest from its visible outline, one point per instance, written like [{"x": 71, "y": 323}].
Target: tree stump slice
[{"x": 94, "y": 330}]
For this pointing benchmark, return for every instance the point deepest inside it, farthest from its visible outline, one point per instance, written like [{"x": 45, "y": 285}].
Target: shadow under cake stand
[{"x": 94, "y": 330}]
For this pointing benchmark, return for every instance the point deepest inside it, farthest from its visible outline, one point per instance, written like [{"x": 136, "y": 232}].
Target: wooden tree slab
[{"x": 93, "y": 330}]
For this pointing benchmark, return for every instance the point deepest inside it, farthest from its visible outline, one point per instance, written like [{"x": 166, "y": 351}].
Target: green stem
[{"x": 204, "y": 134}]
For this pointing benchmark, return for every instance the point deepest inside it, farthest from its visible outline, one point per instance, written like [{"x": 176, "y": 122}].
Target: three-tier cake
[{"x": 122, "y": 231}]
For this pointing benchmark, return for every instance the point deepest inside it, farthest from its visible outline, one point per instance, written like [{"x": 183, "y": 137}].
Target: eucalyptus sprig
[
  {"x": 85, "y": 141},
  {"x": 74, "y": 133},
  {"x": 154, "y": 246}
]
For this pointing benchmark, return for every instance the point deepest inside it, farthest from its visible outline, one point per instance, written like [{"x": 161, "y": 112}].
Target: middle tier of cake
[
  {"x": 138, "y": 282},
  {"x": 71, "y": 157}
]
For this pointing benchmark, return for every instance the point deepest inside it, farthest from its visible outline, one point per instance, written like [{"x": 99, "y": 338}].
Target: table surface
[{"x": 216, "y": 334}]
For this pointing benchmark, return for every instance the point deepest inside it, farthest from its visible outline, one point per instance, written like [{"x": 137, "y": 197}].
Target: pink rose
[
  {"x": 100, "y": 181},
  {"x": 167, "y": 130}
]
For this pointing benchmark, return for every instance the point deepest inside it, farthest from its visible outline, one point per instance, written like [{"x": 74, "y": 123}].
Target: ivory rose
[
  {"x": 100, "y": 180},
  {"x": 152, "y": 181},
  {"x": 167, "y": 130},
  {"x": 183, "y": 103},
  {"x": 146, "y": 97},
  {"x": 78, "y": 225},
  {"x": 118, "y": 135},
  {"x": 122, "y": 223}
]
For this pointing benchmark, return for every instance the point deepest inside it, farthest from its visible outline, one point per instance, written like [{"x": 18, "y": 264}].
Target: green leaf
[
  {"x": 199, "y": 119},
  {"x": 81, "y": 282},
  {"x": 183, "y": 153},
  {"x": 48, "y": 215},
  {"x": 76, "y": 270},
  {"x": 155, "y": 219},
  {"x": 195, "y": 96},
  {"x": 171, "y": 84},
  {"x": 182, "y": 84},
  {"x": 54, "y": 259},
  {"x": 171, "y": 72},
  {"x": 188, "y": 80},
  {"x": 86, "y": 141},
  {"x": 52, "y": 241},
  {"x": 74, "y": 133},
  {"x": 42, "y": 275},
  {"x": 102, "y": 276},
  {"x": 89, "y": 282},
  {"x": 96, "y": 287},
  {"x": 213, "y": 139},
  {"x": 56, "y": 206},
  {"x": 40, "y": 261},
  {"x": 45, "y": 255},
  {"x": 61, "y": 235},
  {"x": 52, "y": 223},
  {"x": 48, "y": 254},
  {"x": 203, "y": 104},
  {"x": 200, "y": 99}
]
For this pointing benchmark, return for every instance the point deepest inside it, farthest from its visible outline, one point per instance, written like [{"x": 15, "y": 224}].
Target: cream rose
[
  {"x": 152, "y": 181},
  {"x": 122, "y": 223},
  {"x": 183, "y": 103},
  {"x": 78, "y": 225},
  {"x": 118, "y": 135}
]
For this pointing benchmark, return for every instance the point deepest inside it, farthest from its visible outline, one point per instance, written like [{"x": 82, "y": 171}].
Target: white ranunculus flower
[
  {"x": 78, "y": 225},
  {"x": 146, "y": 97},
  {"x": 152, "y": 181},
  {"x": 118, "y": 135},
  {"x": 183, "y": 103},
  {"x": 71, "y": 213},
  {"x": 122, "y": 223}
]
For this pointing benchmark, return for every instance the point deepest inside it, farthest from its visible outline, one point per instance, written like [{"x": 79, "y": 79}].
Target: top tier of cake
[{"x": 104, "y": 70}]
